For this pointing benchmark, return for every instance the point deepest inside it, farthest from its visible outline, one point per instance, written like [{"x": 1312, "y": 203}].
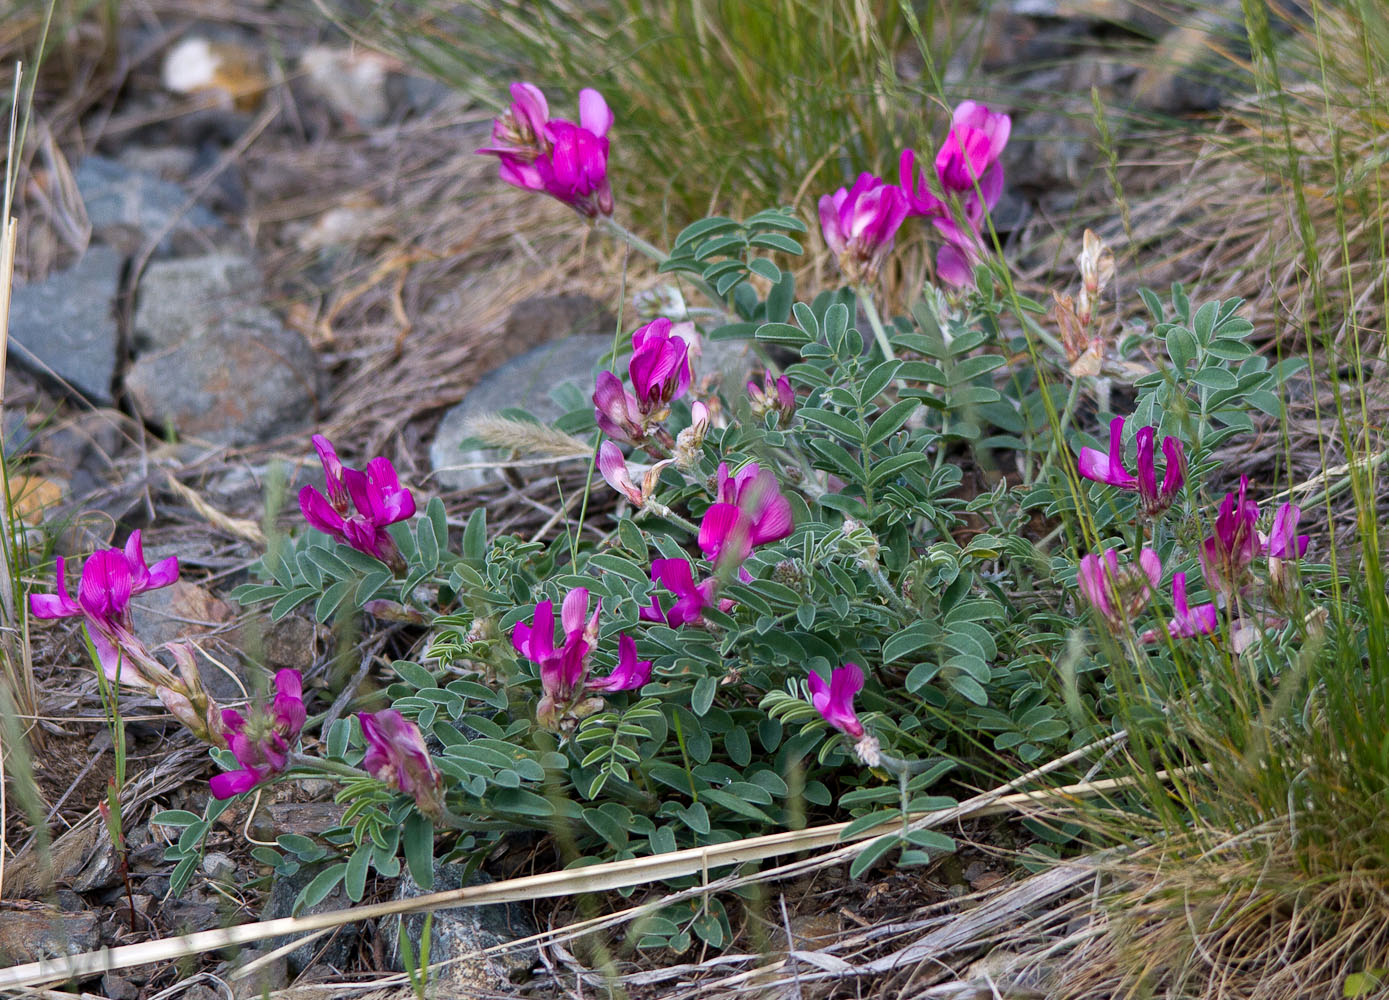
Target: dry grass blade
[
  {"x": 239, "y": 527},
  {"x": 596, "y": 878}
]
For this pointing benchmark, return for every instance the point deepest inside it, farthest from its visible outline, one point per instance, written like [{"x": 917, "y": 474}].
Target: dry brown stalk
[{"x": 596, "y": 878}]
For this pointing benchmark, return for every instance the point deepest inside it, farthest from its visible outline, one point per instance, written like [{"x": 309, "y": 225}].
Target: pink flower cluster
[
  {"x": 552, "y": 155},
  {"x": 110, "y": 578},
  {"x": 1118, "y": 592},
  {"x": 1109, "y": 468},
  {"x": 359, "y": 505},
  {"x": 660, "y": 373},
  {"x": 860, "y": 223},
  {"x": 564, "y": 670}
]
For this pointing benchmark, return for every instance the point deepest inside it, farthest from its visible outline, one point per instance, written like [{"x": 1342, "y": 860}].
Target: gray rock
[
  {"x": 236, "y": 375},
  {"x": 550, "y": 317},
  {"x": 32, "y": 931},
  {"x": 524, "y": 382},
  {"x": 128, "y": 207},
  {"x": 335, "y": 949},
  {"x": 179, "y": 299},
  {"x": 460, "y": 935},
  {"x": 64, "y": 328}
]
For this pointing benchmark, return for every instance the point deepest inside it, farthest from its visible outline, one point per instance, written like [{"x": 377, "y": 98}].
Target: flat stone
[
  {"x": 336, "y": 948},
  {"x": 525, "y": 382},
  {"x": 32, "y": 931},
  {"x": 247, "y": 378},
  {"x": 64, "y": 328},
  {"x": 460, "y": 936},
  {"x": 128, "y": 207},
  {"x": 179, "y": 299},
  {"x": 550, "y": 317}
]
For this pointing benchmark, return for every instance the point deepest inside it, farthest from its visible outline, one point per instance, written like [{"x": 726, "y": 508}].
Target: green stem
[
  {"x": 655, "y": 253},
  {"x": 1058, "y": 443},
  {"x": 875, "y": 321},
  {"x": 661, "y": 510}
]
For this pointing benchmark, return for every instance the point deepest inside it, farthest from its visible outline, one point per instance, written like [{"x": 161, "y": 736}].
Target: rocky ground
[{"x": 307, "y": 244}]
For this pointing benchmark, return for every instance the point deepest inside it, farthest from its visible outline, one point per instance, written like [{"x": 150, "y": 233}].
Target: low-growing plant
[{"x": 836, "y": 591}]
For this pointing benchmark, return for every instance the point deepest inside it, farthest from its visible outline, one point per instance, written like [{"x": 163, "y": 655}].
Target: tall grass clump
[
  {"x": 1262, "y": 872},
  {"x": 807, "y": 92}
]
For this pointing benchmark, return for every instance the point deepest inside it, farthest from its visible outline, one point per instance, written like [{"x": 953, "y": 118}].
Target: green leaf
[
  {"x": 776, "y": 241},
  {"x": 332, "y": 597},
  {"x": 475, "y": 537},
  {"x": 872, "y": 854},
  {"x": 703, "y": 696},
  {"x": 1181, "y": 348},
  {"x": 932, "y": 840},
  {"x": 175, "y": 818},
  {"x": 183, "y": 874},
  {"x": 321, "y": 885},
  {"x": 780, "y": 298},
  {"x": 782, "y": 333},
  {"x": 354, "y": 879},
  {"x": 890, "y": 421},
  {"x": 418, "y": 841},
  {"x": 836, "y": 422},
  {"x": 413, "y": 674},
  {"x": 522, "y": 802},
  {"x": 292, "y": 600},
  {"x": 764, "y": 267},
  {"x": 889, "y": 468},
  {"x": 734, "y": 804},
  {"x": 1203, "y": 323},
  {"x": 1215, "y": 377},
  {"x": 720, "y": 245},
  {"x": 606, "y": 827},
  {"x": 909, "y": 640},
  {"x": 702, "y": 229},
  {"x": 805, "y": 316}
]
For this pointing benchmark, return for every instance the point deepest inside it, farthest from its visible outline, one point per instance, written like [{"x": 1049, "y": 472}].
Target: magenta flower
[
  {"x": 660, "y": 366},
  {"x": 1187, "y": 622},
  {"x": 616, "y": 410},
  {"x": 562, "y": 671},
  {"x": 398, "y": 758},
  {"x": 1284, "y": 545},
  {"x": 519, "y": 133},
  {"x": 576, "y": 169},
  {"x": 860, "y": 224},
  {"x": 1117, "y": 592},
  {"x": 1283, "y": 540},
  {"x": 630, "y": 674},
  {"x": 263, "y": 738},
  {"x": 749, "y": 511},
  {"x": 110, "y": 578},
  {"x": 566, "y": 161},
  {"x": 376, "y": 494},
  {"x": 1108, "y": 468},
  {"x": 967, "y": 168},
  {"x": 1226, "y": 555},
  {"x": 690, "y": 599},
  {"x": 835, "y": 700},
  {"x": 332, "y": 472},
  {"x": 614, "y": 469},
  {"x": 971, "y": 151},
  {"x": 773, "y": 396},
  {"x": 1155, "y": 500}
]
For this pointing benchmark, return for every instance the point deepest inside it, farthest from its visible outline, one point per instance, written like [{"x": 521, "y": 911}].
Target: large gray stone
[
  {"x": 210, "y": 361},
  {"x": 64, "y": 328},
  {"x": 33, "y": 931},
  {"x": 524, "y": 382},
  {"x": 128, "y": 207},
  {"x": 178, "y": 299},
  {"x": 336, "y": 948},
  {"x": 459, "y": 937},
  {"x": 247, "y": 379}
]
